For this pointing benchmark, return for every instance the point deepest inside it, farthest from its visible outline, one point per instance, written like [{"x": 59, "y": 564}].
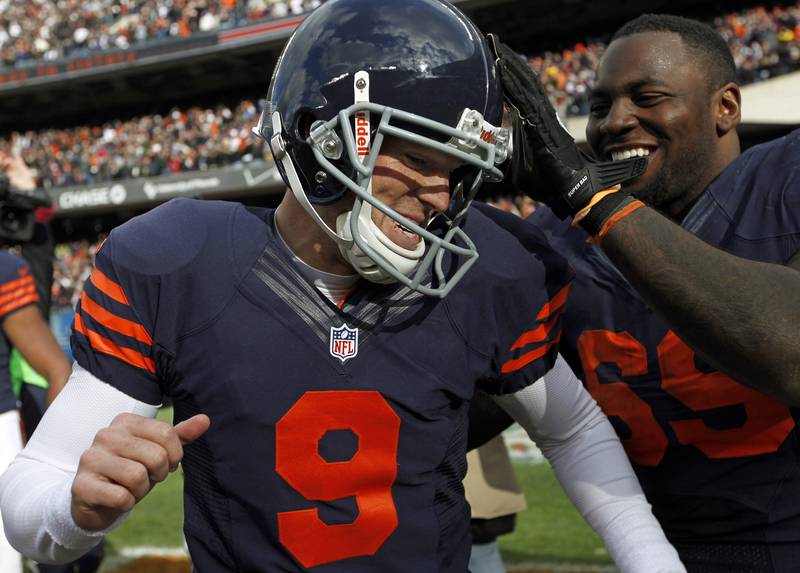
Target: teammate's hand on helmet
[
  {"x": 546, "y": 163},
  {"x": 123, "y": 464}
]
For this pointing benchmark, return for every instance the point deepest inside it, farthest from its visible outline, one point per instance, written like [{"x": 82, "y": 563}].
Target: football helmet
[{"x": 356, "y": 71}]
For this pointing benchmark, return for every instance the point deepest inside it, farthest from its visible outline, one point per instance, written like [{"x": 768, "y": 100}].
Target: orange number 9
[{"x": 368, "y": 476}]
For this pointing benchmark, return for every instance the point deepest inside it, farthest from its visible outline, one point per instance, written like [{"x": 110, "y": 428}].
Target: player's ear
[{"x": 728, "y": 101}]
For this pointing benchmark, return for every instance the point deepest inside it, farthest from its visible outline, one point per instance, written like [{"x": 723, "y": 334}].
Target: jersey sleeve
[
  {"x": 17, "y": 287},
  {"x": 529, "y": 324},
  {"x": 521, "y": 299},
  {"x": 157, "y": 277},
  {"x": 112, "y": 334}
]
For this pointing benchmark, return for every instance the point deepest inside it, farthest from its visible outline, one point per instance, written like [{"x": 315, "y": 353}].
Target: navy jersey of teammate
[
  {"x": 291, "y": 458},
  {"x": 718, "y": 461},
  {"x": 17, "y": 290}
]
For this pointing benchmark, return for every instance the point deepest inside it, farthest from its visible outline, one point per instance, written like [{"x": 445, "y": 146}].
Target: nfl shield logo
[{"x": 344, "y": 342}]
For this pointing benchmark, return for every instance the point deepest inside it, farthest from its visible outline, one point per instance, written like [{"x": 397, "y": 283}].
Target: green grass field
[{"x": 549, "y": 531}]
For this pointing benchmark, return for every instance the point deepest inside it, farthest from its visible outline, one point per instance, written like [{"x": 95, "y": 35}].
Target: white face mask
[
  {"x": 404, "y": 260},
  {"x": 362, "y": 243}
]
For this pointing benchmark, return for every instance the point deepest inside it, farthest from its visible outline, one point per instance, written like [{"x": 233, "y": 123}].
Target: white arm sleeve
[
  {"x": 589, "y": 461},
  {"x": 35, "y": 490}
]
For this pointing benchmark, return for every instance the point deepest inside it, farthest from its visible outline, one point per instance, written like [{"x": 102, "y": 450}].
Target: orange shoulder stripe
[
  {"x": 551, "y": 310},
  {"x": 114, "y": 322},
  {"x": 106, "y": 346},
  {"x": 538, "y": 334},
  {"x": 517, "y": 363},
  {"x": 16, "y": 283},
  {"x": 108, "y": 287},
  {"x": 554, "y": 303},
  {"x": 21, "y": 291},
  {"x": 16, "y": 303}
]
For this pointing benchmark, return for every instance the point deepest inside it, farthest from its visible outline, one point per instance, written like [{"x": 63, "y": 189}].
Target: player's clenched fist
[{"x": 124, "y": 462}]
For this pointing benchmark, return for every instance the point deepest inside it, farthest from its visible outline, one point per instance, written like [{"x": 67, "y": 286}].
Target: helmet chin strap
[
  {"x": 404, "y": 260},
  {"x": 279, "y": 154}
]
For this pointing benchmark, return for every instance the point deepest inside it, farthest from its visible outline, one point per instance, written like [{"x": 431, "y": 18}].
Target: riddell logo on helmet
[
  {"x": 488, "y": 136},
  {"x": 362, "y": 133}
]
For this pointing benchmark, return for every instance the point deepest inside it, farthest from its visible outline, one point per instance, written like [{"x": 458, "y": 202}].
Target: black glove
[{"x": 546, "y": 164}]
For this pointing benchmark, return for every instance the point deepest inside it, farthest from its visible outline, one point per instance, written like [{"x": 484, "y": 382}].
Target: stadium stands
[
  {"x": 147, "y": 146},
  {"x": 40, "y": 30}
]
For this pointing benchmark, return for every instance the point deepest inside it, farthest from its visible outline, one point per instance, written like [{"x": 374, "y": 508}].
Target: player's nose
[
  {"x": 435, "y": 190},
  {"x": 619, "y": 119}
]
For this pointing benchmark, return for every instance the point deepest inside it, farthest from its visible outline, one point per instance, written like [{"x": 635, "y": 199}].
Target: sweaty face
[
  {"x": 651, "y": 98},
  {"x": 414, "y": 181}
]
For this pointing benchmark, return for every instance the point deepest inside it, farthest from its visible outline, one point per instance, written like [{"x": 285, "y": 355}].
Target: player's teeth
[
  {"x": 628, "y": 153},
  {"x": 407, "y": 231}
]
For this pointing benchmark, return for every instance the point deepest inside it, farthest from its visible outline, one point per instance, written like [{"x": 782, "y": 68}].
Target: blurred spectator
[{"x": 73, "y": 265}]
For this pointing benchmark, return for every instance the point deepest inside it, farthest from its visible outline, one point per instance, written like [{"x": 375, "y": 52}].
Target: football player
[
  {"x": 24, "y": 329},
  {"x": 321, "y": 357},
  {"x": 683, "y": 314}
]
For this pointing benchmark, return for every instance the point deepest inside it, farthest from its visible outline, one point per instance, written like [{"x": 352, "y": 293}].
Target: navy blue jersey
[
  {"x": 17, "y": 290},
  {"x": 337, "y": 438},
  {"x": 718, "y": 461}
]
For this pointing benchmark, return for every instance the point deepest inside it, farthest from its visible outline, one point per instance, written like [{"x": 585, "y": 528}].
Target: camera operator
[
  {"x": 36, "y": 244},
  {"x": 22, "y": 322}
]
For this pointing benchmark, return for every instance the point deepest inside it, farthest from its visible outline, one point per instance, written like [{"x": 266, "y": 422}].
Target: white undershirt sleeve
[
  {"x": 589, "y": 461},
  {"x": 35, "y": 490}
]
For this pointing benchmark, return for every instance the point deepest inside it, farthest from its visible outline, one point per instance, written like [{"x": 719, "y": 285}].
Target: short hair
[{"x": 705, "y": 43}]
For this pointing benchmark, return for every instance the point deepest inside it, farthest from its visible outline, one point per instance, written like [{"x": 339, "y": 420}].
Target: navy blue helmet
[{"x": 356, "y": 71}]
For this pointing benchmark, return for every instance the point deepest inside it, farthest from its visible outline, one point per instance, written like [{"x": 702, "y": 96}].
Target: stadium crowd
[
  {"x": 44, "y": 30},
  {"x": 73, "y": 265},
  {"x": 764, "y": 41},
  {"x": 147, "y": 146}
]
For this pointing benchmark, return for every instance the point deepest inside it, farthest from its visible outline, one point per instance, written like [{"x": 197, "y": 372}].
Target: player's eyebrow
[{"x": 599, "y": 91}]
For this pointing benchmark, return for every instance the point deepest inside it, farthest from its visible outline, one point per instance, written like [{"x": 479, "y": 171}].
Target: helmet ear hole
[{"x": 304, "y": 122}]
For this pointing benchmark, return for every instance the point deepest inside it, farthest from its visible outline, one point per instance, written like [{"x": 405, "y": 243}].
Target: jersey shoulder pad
[
  {"x": 568, "y": 240},
  {"x": 510, "y": 304},
  {"x": 185, "y": 254},
  {"x": 511, "y": 249},
  {"x": 758, "y": 200},
  {"x": 766, "y": 176},
  {"x": 12, "y": 267},
  {"x": 179, "y": 234}
]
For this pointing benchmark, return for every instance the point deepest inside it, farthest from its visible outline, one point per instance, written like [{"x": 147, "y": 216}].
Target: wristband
[
  {"x": 580, "y": 215},
  {"x": 607, "y": 212},
  {"x": 619, "y": 215}
]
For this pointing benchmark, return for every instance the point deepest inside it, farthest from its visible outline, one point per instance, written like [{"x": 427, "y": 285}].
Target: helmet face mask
[{"x": 326, "y": 141}]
